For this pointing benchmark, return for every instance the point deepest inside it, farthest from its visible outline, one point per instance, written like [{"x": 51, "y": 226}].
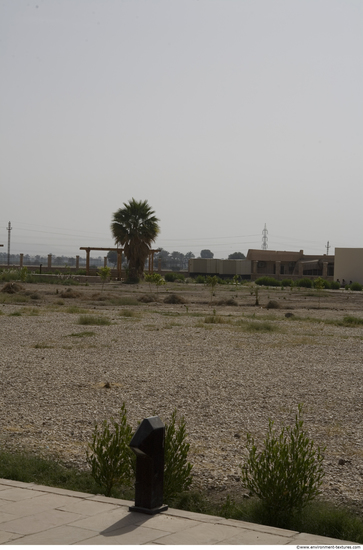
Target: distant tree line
[
  {"x": 174, "y": 261},
  {"x": 28, "y": 259}
]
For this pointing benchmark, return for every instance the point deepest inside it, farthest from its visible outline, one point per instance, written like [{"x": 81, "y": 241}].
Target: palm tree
[{"x": 135, "y": 227}]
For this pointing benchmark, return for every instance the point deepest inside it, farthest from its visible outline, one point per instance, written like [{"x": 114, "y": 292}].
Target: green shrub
[
  {"x": 305, "y": 283},
  {"x": 267, "y": 281},
  {"x": 200, "y": 279},
  {"x": 356, "y": 286},
  {"x": 334, "y": 285},
  {"x": 287, "y": 473},
  {"x": 109, "y": 454},
  {"x": 10, "y": 275},
  {"x": 113, "y": 463},
  {"x": 177, "y": 471},
  {"x": 171, "y": 277},
  {"x": 287, "y": 282},
  {"x": 321, "y": 283}
]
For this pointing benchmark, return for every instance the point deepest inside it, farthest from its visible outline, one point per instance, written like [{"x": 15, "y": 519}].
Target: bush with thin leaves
[
  {"x": 287, "y": 473},
  {"x": 177, "y": 471},
  {"x": 156, "y": 279},
  {"x": 105, "y": 274},
  {"x": 109, "y": 454},
  {"x": 113, "y": 463}
]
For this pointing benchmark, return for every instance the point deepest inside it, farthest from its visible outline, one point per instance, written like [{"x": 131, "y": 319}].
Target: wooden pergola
[{"x": 119, "y": 257}]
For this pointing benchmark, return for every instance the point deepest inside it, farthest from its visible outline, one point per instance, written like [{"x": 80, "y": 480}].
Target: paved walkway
[{"x": 34, "y": 514}]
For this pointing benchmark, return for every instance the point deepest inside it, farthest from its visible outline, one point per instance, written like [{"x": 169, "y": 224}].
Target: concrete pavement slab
[
  {"x": 202, "y": 533},
  {"x": 88, "y": 507},
  {"x": 307, "y": 538},
  {"x": 255, "y": 538},
  {"x": 172, "y": 524},
  {"x": 258, "y": 527},
  {"x": 118, "y": 501},
  {"x": 131, "y": 534},
  {"x": 31, "y": 506},
  {"x": 59, "y": 535},
  {"x": 32, "y": 514},
  {"x": 6, "y": 537},
  {"x": 4, "y": 516},
  {"x": 112, "y": 521},
  {"x": 18, "y": 493},
  {"x": 39, "y": 522}
]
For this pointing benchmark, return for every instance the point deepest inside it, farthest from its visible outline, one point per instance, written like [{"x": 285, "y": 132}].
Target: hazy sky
[{"x": 223, "y": 114}]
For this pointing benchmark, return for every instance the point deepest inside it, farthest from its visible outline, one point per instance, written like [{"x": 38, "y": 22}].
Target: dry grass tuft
[
  {"x": 12, "y": 288},
  {"x": 147, "y": 298},
  {"x": 175, "y": 299}
]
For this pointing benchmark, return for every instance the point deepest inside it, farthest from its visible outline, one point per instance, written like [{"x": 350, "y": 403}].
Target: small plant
[
  {"x": 109, "y": 454},
  {"x": 23, "y": 274},
  {"x": 287, "y": 473},
  {"x": 287, "y": 282},
  {"x": 177, "y": 471},
  {"x": 235, "y": 281},
  {"x": 212, "y": 283},
  {"x": 319, "y": 283},
  {"x": 105, "y": 274},
  {"x": 200, "y": 279},
  {"x": 156, "y": 279}
]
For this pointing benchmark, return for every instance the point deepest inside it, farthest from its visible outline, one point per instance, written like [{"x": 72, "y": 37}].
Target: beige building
[
  {"x": 223, "y": 268},
  {"x": 349, "y": 265},
  {"x": 289, "y": 265}
]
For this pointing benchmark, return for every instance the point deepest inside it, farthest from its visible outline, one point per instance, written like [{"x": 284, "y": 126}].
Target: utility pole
[
  {"x": 9, "y": 228},
  {"x": 264, "y": 239},
  {"x": 327, "y": 246}
]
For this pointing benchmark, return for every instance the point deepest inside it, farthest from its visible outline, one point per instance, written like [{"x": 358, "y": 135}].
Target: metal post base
[{"x": 149, "y": 511}]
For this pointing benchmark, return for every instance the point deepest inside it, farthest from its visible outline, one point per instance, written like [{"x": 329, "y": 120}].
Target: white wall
[{"x": 348, "y": 265}]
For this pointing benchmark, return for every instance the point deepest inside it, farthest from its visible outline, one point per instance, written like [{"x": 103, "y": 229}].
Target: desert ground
[{"x": 226, "y": 368}]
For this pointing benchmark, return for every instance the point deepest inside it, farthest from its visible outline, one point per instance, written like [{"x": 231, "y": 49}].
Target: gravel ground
[{"x": 224, "y": 379}]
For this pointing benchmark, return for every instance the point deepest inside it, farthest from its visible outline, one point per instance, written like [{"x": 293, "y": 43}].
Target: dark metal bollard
[{"x": 148, "y": 445}]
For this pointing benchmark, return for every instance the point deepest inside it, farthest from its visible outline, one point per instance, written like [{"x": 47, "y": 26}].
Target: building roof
[
  {"x": 274, "y": 255},
  {"x": 286, "y": 256}
]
